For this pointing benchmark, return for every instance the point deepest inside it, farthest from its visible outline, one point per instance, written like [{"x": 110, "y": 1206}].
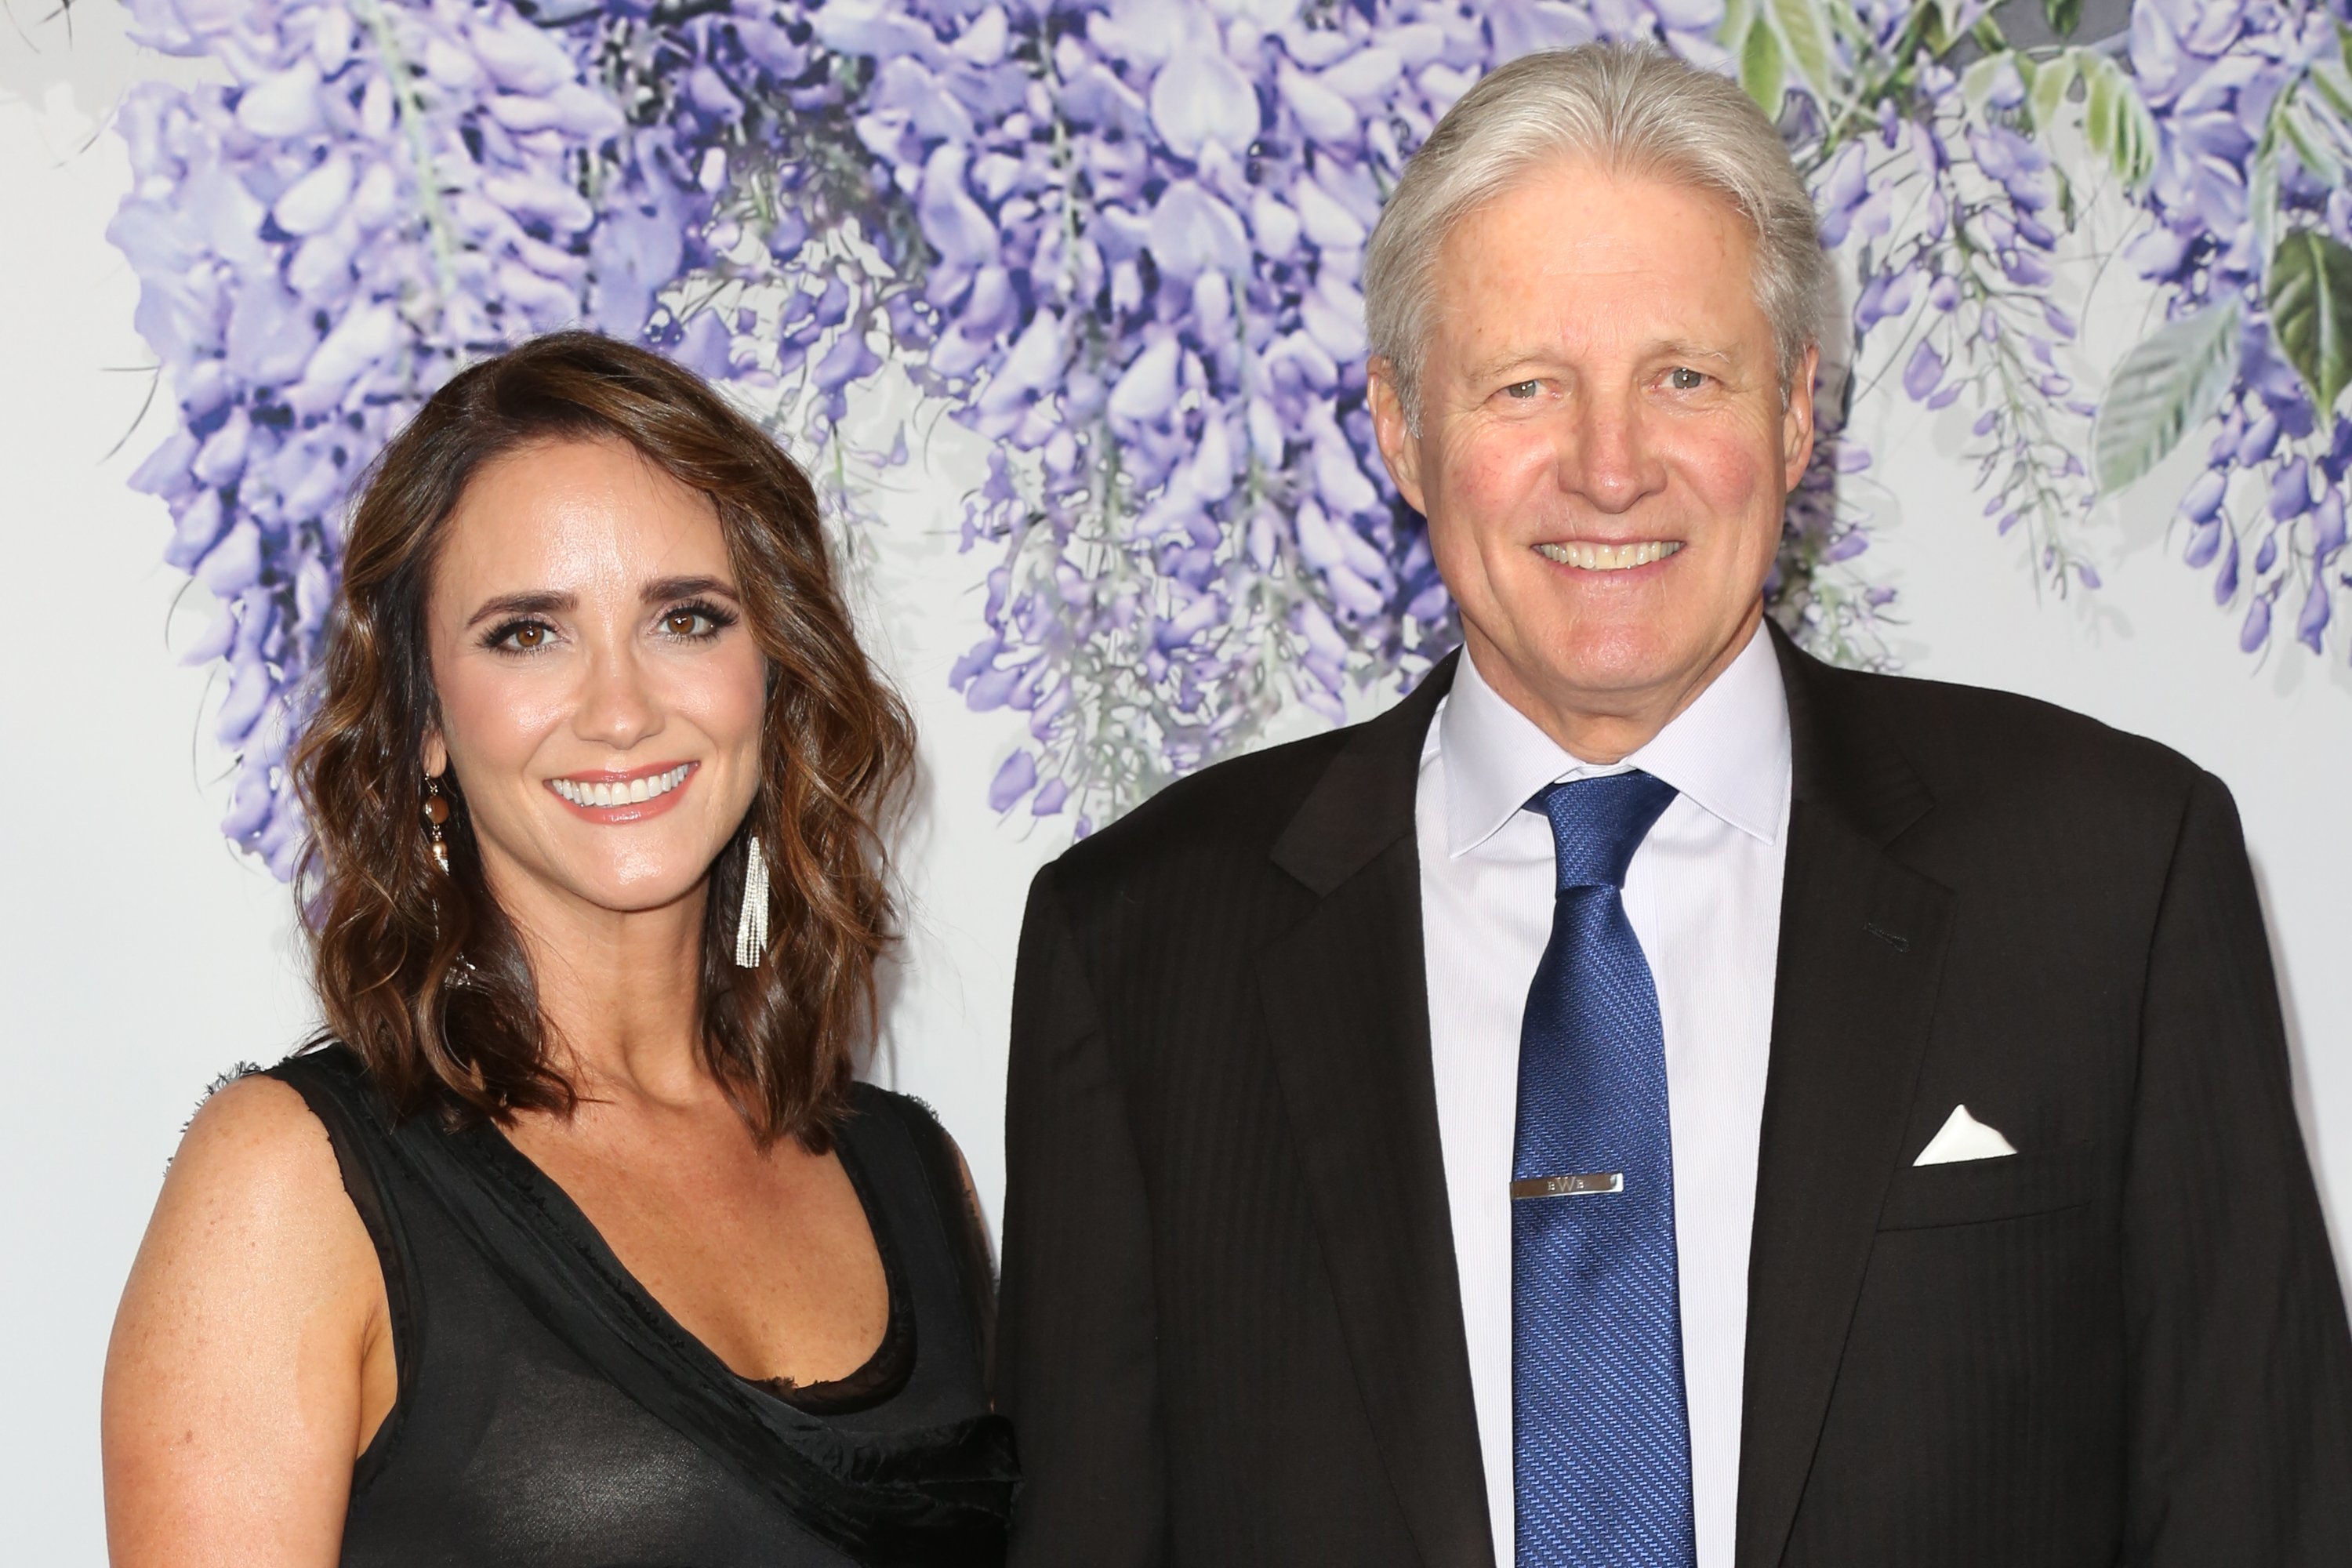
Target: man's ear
[
  {"x": 1398, "y": 448},
  {"x": 1797, "y": 420}
]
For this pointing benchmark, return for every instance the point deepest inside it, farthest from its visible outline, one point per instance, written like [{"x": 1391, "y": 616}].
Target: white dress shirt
[{"x": 1703, "y": 897}]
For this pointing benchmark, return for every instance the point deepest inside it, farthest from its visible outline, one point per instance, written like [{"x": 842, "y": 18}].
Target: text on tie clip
[{"x": 1584, "y": 1186}]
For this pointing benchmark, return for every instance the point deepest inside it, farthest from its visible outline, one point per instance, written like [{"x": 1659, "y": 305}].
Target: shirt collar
[{"x": 1729, "y": 751}]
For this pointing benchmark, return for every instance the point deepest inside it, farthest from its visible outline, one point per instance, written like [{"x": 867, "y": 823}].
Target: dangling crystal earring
[
  {"x": 751, "y": 928},
  {"x": 436, "y": 812}
]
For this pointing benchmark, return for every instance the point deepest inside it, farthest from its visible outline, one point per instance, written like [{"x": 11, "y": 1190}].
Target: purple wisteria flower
[
  {"x": 377, "y": 194},
  {"x": 2252, "y": 102},
  {"x": 1123, "y": 241},
  {"x": 1144, "y": 228}
]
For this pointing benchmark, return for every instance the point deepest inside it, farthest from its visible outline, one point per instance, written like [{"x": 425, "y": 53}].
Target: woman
[{"x": 575, "y": 1243}]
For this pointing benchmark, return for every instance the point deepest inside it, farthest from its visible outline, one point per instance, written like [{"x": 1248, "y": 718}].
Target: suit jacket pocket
[{"x": 1970, "y": 1192}]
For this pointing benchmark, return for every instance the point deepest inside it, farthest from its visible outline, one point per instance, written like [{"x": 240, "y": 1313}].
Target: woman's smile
[{"x": 630, "y": 795}]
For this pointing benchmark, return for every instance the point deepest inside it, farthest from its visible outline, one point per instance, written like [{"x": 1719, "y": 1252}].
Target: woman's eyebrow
[
  {"x": 531, "y": 601},
  {"x": 687, "y": 588}
]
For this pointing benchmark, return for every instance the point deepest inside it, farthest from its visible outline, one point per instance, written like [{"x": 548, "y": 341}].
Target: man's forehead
[
  {"x": 1581, "y": 196},
  {"x": 1645, "y": 263}
]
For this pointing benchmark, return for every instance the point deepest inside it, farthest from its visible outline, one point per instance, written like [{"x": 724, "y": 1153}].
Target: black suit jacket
[{"x": 1231, "y": 1331}]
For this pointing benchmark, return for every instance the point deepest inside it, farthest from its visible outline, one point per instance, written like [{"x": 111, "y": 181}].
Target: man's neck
[{"x": 1603, "y": 727}]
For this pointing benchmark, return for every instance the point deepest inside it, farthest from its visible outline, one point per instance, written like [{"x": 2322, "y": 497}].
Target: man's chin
[
  {"x": 1635, "y": 658},
  {"x": 1632, "y": 664}
]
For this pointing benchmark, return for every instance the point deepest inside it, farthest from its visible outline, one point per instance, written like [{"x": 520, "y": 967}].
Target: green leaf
[
  {"x": 1804, "y": 31},
  {"x": 2052, "y": 77},
  {"x": 2065, "y": 16},
  {"x": 2165, "y": 387},
  {"x": 2311, "y": 311},
  {"x": 2263, "y": 196},
  {"x": 2332, "y": 83},
  {"x": 2116, "y": 122},
  {"x": 1739, "y": 16},
  {"x": 2316, "y": 160},
  {"x": 1763, "y": 70},
  {"x": 1847, "y": 23},
  {"x": 2098, "y": 108},
  {"x": 1975, "y": 82},
  {"x": 1933, "y": 33}
]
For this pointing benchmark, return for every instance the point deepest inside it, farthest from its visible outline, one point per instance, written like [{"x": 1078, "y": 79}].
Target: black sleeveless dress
[{"x": 550, "y": 1412}]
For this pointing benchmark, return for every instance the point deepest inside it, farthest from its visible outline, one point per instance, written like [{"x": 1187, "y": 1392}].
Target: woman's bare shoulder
[
  {"x": 254, "y": 1202},
  {"x": 255, "y": 1106},
  {"x": 255, "y": 1142},
  {"x": 254, "y": 1299}
]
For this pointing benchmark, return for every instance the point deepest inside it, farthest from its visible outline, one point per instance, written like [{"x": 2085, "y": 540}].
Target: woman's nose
[{"x": 617, "y": 705}]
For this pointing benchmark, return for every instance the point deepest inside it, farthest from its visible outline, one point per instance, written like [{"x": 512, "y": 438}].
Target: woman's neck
[{"x": 620, "y": 992}]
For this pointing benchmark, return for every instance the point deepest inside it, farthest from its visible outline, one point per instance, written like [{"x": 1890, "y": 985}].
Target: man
[{"x": 1650, "y": 1098}]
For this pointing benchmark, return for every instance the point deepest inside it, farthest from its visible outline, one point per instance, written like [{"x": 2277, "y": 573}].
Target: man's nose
[
  {"x": 617, "y": 706},
  {"x": 1605, "y": 458}
]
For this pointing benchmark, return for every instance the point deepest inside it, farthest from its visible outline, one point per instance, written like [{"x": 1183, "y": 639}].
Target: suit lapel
[
  {"x": 1348, "y": 1011},
  {"x": 1862, "y": 944}
]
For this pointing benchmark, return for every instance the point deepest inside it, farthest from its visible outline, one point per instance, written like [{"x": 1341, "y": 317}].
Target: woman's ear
[{"x": 436, "y": 754}]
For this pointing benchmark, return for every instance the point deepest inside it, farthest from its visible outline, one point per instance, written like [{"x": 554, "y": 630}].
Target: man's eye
[
  {"x": 1684, "y": 379},
  {"x": 1523, "y": 390}
]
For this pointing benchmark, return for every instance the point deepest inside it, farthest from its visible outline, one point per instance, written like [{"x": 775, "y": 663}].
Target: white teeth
[
  {"x": 1608, "y": 557},
  {"x": 606, "y": 793}
]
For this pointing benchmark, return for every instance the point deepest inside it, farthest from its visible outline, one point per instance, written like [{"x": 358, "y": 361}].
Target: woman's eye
[
  {"x": 689, "y": 624},
  {"x": 526, "y": 636},
  {"x": 1684, "y": 379}
]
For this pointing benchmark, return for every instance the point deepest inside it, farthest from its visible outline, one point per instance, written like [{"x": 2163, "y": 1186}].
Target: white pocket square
[{"x": 1964, "y": 1138}]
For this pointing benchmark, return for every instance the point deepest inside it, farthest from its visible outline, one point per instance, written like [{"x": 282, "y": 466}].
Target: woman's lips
[{"x": 618, "y": 798}]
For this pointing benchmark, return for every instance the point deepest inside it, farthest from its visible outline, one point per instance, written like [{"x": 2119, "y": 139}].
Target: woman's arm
[{"x": 251, "y": 1357}]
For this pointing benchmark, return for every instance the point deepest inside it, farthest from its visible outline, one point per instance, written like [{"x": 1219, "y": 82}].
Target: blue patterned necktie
[{"x": 1600, "y": 1429}]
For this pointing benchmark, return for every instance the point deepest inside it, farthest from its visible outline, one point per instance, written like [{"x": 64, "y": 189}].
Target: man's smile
[{"x": 1597, "y": 557}]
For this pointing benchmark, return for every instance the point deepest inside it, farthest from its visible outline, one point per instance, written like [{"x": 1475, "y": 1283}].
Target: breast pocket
[{"x": 1972, "y": 1191}]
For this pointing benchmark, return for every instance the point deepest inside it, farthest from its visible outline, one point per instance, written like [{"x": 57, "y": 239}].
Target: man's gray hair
[{"x": 1631, "y": 110}]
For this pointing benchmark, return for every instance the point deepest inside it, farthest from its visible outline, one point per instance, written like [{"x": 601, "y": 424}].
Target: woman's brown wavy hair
[{"x": 421, "y": 972}]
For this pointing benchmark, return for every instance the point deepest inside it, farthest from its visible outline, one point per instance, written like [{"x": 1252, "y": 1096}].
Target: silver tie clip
[{"x": 1569, "y": 1186}]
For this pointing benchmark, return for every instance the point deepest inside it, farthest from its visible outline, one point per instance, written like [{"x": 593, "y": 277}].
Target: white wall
[{"x": 139, "y": 958}]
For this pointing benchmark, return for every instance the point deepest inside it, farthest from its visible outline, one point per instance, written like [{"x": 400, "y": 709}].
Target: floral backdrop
[{"x": 1121, "y": 242}]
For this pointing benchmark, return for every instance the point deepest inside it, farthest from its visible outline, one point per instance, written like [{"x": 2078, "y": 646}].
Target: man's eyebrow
[
  {"x": 671, "y": 588},
  {"x": 1664, "y": 348},
  {"x": 1676, "y": 348},
  {"x": 1509, "y": 359},
  {"x": 531, "y": 601}
]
